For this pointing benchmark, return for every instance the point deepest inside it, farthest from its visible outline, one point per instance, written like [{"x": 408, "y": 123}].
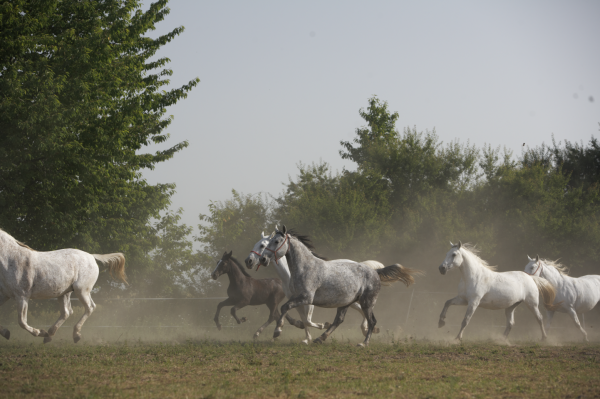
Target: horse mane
[
  {"x": 470, "y": 248},
  {"x": 18, "y": 242},
  {"x": 307, "y": 243},
  {"x": 562, "y": 269},
  {"x": 240, "y": 266}
]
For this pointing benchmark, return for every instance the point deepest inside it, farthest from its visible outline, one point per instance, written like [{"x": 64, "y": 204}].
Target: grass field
[{"x": 286, "y": 369}]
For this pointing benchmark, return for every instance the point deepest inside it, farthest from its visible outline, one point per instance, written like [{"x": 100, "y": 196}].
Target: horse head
[
  {"x": 221, "y": 265},
  {"x": 277, "y": 247},
  {"x": 454, "y": 258}
]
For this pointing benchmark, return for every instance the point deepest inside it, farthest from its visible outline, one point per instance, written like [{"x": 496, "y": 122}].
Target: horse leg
[
  {"x": 571, "y": 312},
  {"x": 273, "y": 314},
  {"x": 454, "y": 301},
  {"x": 339, "y": 319},
  {"x": 471, "y": 307},
  {"x": 538, "y": 315},
  {"x": 22, "y": 305},
  {"x": 364, "y": 326},
  {"x": 89, "y": 305},
  {"x": 65, "y": 311},
  {"x": 304, "y": 315},
  {"x": 582, "y": 320},
  {"x": 510, "y": 319},
  {"x": 226, "y": 302},
  {"x": 550, "y": 314},
  {"x": 292, "y": 303},
  {"x": 236, "y": 307},
  {"x": 4, "y": 331}
]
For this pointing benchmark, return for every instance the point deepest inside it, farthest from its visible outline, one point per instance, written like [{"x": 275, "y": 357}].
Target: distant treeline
[
  {"x": 411, "y": 195},
  {"x": 81, "y": 95}
]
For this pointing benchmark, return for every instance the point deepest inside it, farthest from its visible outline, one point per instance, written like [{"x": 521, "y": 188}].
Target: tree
[{"x": 79, "y": 99}]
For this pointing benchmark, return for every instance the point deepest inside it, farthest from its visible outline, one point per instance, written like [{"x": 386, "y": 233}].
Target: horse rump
[
  {"x": 397, "y": 272},
  {"x": 115, "y": 263}
]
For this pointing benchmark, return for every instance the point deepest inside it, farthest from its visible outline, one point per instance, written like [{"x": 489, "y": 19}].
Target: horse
[
  {"x": 575, "y": 295},
  {"x": 283, "y": 271},
  {"x": 482, "y": 286},
  {"x": 244, "y": 290},
  {"x": 328, "y": 284},
  {"x": 28, "y": 274}
]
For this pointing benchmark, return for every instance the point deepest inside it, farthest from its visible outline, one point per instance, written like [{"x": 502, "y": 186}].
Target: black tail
[{"x": 397, "y": 272}]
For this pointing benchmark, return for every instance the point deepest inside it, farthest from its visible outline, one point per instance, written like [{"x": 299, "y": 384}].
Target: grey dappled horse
[{"x": 330, "y": 284}]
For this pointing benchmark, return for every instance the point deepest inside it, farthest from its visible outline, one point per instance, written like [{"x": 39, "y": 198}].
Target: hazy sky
[{"x": 282, "y": 82}]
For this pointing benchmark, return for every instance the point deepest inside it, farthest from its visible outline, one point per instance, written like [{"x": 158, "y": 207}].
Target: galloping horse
[
  {"x": 575, "y": 295},
  {"x": 28, "y": 274},
  {"x": 243, "y": 290},
  {"x": 330, "y": 284},
  {"x": 305, "y": 312},
  {"x": 482, "y": 286}
]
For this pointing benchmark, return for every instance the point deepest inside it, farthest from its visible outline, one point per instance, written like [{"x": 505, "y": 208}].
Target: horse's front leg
[
  {"x": 226, "y": 302},
  {"x": 454, "y": 301},
  {"x": 471, "y": 307},
  {"x": 296, "y": 301},
  {"x": 22, "y": 304}
]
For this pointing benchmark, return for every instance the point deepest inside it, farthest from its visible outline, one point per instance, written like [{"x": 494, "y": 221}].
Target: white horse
[
  {"x": 330, "y": 284},
  {"x": 481, "y": 285},
  {"x": 574, "y": 295},
  {"x": 28, "y": 274},
  {"x": 305, "y": 312}
]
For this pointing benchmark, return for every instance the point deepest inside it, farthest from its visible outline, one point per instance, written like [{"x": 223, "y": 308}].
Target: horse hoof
[
  {"x": 305, "y": 341},
  {"x": 441, "y": 323},
  {"x": 47, "y": 339},
  {"x": 76, "y": 338},
  {"x": 6, "y": 334},
  {"x": 326, "y": 325},
  {"x": 376, "y": 330},
  {"x": 243, "y": 320},
  {"x": 361, "y": 345},
  {"x": 256, "y": 336},
  {"x": 219, "y": 327},
  {"x": 43, "y": 333},
  {"x": 276, "y": 334}
]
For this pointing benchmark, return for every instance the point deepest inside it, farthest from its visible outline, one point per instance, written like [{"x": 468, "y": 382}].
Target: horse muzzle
[
  {"x": 249, "y": 263},
  {"x": 443, "y": 269}
]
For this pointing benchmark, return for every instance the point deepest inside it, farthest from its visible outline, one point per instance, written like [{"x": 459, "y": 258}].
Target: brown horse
[{"x": 244, "y": 290}]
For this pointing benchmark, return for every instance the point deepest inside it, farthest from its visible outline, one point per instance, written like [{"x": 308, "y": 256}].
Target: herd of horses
[{"x": 306, "y": 279}]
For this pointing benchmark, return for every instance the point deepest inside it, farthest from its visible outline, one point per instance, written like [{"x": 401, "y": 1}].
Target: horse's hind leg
[
  {"x": 339, "y": 319},
  {"x": 364, "y": 326},
  {"x": 372, "y": 321},
  {"x": 89, "y": 305},
  {"x": 571, "y": 312},
  {"x": 273, "y": 314},
  {"x": 235, "y": 308},
  {"x": 510, "y": 319},
  {"x": 533, "y": 306},
  {"x": 65, "y": 312},
  {"x": 4, "y": 331},
  {"x": 22, "y": 304}
]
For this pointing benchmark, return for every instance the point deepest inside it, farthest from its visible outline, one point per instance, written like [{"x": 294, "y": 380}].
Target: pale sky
[{"x": 282, "y": 82}]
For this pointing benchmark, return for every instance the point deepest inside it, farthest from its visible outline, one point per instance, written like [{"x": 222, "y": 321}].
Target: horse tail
[
  {"x": 548, "y": 292},
  {"x": 115, "y": 263},
  {"x": 397, "y": 272}
]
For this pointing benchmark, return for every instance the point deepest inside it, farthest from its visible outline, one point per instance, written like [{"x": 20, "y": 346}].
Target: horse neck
[
  {"x": 471, "y": 267},
  {"x": 236, "y": 277},
  {"x": 551, "y": 274},
  {"x": 283, "y": 270},
  {"x": 298, "y": 255}
]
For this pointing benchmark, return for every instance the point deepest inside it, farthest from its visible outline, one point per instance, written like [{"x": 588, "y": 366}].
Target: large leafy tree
[{"x": 80, "y": 96}]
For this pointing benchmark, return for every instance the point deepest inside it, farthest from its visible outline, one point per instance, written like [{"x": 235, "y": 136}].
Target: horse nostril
[{"x": 262, "y": 259}]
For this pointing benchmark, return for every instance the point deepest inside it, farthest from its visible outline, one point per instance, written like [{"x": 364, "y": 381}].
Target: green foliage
[
  {"x": 234, "y": 225},
  {"x": 79, "y": 99}
]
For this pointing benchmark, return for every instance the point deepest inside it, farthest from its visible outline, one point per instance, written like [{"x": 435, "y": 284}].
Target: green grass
[{"x": 214, "y": 369}]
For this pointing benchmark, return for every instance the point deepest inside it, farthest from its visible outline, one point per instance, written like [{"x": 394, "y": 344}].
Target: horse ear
[
  {"x": 262, "y": 234},
  {"x": 452, "y": 245},
  {"x": 531, "y": 260},
  {"x": 284, "y": 230},
  {"x": 276, "y": 229},
  {"x": 459, "y": 244},
  {"x": 272, "y": 235},
  {"x": 537, "y": 258},
  {"x": 224, "y": 255}
]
